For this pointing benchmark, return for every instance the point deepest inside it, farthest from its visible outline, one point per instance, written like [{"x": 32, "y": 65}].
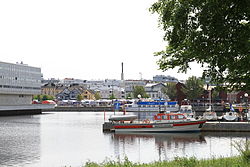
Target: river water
[{"x": 73, "y": 138}]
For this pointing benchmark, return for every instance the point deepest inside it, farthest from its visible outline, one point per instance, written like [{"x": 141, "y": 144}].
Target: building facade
[
  {"x": 18, "y": 83},
  {"x": 155, "y": 91},
  {"x": 163, "y": 78}
]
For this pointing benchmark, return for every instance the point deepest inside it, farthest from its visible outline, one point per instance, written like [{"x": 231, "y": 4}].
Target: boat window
[
  {"x": 163, "y": 117},
  {"x": 158, "y": 117},
  {"x": 180, "y": 117},
  {"x": 172, "y": 117}
]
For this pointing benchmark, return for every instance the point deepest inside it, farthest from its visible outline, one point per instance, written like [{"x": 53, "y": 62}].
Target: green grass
[
  {"x": 243, "y": 160},
  {"x": 178, "y": 162}
]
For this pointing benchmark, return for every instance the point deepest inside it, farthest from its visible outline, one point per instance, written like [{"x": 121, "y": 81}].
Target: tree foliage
[
  {"x": 112, "y": 96},
  {"x": 214, "y": 33},
  {"x": 193, "y": 88},
  {"x": 79, "y": 97},
  {"x": 139, "y": 90},
  {"x": 97, "y": 96},
  {"x": 170, "y": 91},
  {"x": 43, "y": 97}
]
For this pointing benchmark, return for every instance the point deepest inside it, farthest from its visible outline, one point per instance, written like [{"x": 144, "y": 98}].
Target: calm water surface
[{"x": 73, "y": 138}]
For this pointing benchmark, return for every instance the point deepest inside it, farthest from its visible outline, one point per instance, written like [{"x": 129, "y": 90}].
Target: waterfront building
[
  {"x": 71, "y": 93},
  {"x": 52, "y": 89},
  {"x": 71, "y": 81},
  {"x": 130, "y": 84},
  {"x": 106, "y": 92},
  {"x": 163, "y": 78},
  {"x": 18, "y": 83},
  {"x": 155, "y": 90}
]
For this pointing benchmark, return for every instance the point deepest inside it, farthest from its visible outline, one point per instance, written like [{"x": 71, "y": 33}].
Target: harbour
[{"x": 73, "y": 138}]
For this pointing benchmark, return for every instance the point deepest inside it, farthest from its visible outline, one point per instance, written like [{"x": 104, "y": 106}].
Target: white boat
[
  {"x": 248, "y": 115},
  {"x": 187, "y": 111},
  {"x": 210, "y": 115},
  {"x": 152, "y": 106},
  {"x": 162, "y": 122},
  {"x": 230, "y": 116},
  {"x": 122, "y": 118}
]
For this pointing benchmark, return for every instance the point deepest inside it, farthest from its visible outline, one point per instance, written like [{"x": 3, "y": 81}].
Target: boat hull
[{"x": 193, "y": 126}]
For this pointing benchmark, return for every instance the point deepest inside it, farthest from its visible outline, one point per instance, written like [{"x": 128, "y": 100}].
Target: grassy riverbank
[{"x": 238, "y": 161}]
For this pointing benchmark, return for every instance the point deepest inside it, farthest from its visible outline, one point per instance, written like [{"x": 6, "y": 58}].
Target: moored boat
[
  {"x": 122, "y": 118},
  {"x": 187, "y": 111},
  {"x": 152, "y": 106},
  {"x": 162, "y": 122},
  {"x": 210, "y": 115},
  {"x": 230, "y": 115}
]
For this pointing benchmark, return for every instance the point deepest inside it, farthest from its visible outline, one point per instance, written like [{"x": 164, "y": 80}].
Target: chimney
[{"x": 122, "y": 75}]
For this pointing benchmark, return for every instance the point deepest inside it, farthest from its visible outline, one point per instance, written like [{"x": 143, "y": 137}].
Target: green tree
[
  {"x": 45, "y": 97},
  {"x": 139, "y": 90},
  {"x": 170, "y": 91},
  {"x": 97, "y": 96},
  {"x": 37, "y": 97},
  {"x": 129, "y": 96},
  {"x": 79, "y": 97},
  {"x": 112, "y": 96},
  {"x": 215, "y": 93},
  {"x": 193, "y": 88},
  {"x": 212, "y": 33}
]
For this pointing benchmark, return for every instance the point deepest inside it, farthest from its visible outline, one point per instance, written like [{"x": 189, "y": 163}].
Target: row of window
[
  {"x": 19, "y": 87},
  {"x": 16, "y": 78},
  {"x": 21, "y": 70},
  {"x": 171, "y": 117}
]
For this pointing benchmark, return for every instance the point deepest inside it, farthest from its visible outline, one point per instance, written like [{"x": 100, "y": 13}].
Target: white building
[
  {"x": 155, "y": 90},
  {"x": 18, "y": 83}
]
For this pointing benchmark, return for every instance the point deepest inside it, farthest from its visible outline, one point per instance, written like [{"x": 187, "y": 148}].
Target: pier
[{"x": 226, "y": 127}]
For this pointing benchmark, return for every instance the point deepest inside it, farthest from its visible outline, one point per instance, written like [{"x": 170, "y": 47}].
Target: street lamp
[
  {"x": 139, "y": 97},
  {"x": 246, "y": 96}
]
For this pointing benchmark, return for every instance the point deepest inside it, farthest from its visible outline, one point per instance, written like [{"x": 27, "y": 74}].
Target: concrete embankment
[
  {"x": 226, "y": 127},
  {"x": 80, "y": 109}
]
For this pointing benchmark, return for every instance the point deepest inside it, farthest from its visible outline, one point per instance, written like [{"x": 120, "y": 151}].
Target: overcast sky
[{"x": 83, "y": 39}]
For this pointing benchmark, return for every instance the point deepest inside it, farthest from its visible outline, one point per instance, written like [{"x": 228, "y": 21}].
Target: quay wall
[
  {"x": 199, "y": 110},
  {"x": 80, "y": 109},
  {"x": 226, "y": 127},
  {"x": 20, "y": 112}
]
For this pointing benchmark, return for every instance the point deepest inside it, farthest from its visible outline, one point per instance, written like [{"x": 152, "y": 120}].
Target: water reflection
[
  {"x": 20, "y": 140},
  {"x": 164, "y": 143}
]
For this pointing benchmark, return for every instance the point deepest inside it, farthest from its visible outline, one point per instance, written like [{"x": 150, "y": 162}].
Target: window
[
  {"x": 180, "y": 117},
  {"x": 172, "y": 117}
]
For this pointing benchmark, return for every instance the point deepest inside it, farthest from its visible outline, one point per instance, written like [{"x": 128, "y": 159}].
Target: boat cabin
[{"x": 169, "y": 117}]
